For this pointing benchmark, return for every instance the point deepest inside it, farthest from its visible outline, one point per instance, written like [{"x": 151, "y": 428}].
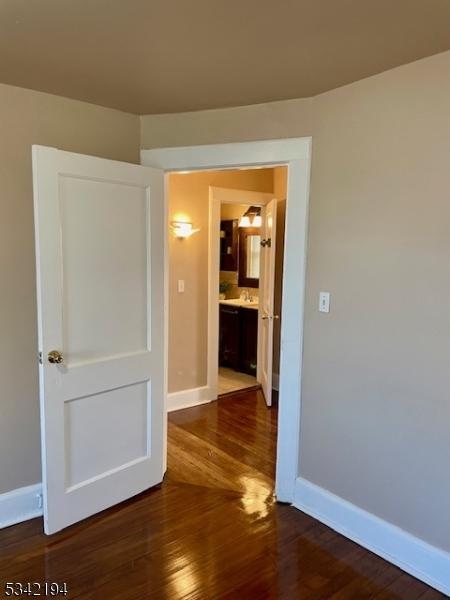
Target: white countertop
[{"x": 240, "y": 303}]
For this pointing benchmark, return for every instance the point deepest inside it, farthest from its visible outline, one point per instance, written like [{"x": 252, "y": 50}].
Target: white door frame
[
  {"x": 217, "y": 197},
  {"x": 296, "y": 154}
]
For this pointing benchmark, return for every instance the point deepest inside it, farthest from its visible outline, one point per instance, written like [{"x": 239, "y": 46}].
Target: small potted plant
[{"x": 224, "y": 287}]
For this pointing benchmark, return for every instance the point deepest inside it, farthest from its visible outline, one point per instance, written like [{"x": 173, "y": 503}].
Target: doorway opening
[
  {"x": 225, "y": 282},
  {"x": 251, "y": 247},
  {"x": 239, "y": 269},
  {"x": 295, "y": 154}
]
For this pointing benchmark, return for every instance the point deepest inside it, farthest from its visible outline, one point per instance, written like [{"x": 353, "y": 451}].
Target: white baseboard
[
  {"x": 189, "y": 398},
  {"x": 20, "y": 505},
  {"x": 276, "y": 381},
  {"x": 411, "y": 554}
]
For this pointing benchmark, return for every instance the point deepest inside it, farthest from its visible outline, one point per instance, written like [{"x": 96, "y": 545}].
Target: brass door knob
[{"x": 55, "y": 357}]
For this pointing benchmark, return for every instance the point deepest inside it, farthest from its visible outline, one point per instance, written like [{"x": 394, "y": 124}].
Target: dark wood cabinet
[
  {"x": 229, "y": 336},
  {"x": 248, "y": 345},
  {"x": 238, "y": 338}
]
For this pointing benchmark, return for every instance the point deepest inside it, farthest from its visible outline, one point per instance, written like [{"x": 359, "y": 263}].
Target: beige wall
[
  {"x": 289, "y": 118},
  {"x": 376, "y": 401},
  {"x": 376, "y": 415},
  {"x": 27, "y": 118},
  {"x": 232, "y": 211},
  {"x": 188, "y": 260}
]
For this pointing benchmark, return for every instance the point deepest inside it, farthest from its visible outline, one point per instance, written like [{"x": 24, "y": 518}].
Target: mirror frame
[{"x": 232, "y": 258}]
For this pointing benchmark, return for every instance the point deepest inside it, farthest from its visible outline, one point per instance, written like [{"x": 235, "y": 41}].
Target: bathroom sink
[{"x": 239, "y": 302}]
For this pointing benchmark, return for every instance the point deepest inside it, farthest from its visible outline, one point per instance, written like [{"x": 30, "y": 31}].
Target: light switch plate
[
  {"x": 324, "y": 302},
  {"x": 180, "y": 286}
]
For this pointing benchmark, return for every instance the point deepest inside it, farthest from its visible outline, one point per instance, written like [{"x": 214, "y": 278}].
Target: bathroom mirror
[
  {"x": 249, "y": 255},
  {"x": 253, "y": 247}
]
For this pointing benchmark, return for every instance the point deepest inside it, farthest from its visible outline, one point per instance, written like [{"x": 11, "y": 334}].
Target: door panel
[
  {"x": 104, "y": 315},
  {"x": 266, "y": 298},
  {"x": 115, "y": 437},
  {"x": 100, "y": 281}
]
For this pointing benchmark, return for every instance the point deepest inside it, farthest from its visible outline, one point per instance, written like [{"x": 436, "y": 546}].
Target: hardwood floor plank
[{"x": 211, "y": 531}]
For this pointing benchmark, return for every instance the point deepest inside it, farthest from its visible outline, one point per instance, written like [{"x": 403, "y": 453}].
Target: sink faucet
[{"x": 246, "y": 296}]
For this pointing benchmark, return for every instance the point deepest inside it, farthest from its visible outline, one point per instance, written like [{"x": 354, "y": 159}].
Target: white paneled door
[
  {"x": 100, "y": 281},
  {"x": 266, "y": 299}
]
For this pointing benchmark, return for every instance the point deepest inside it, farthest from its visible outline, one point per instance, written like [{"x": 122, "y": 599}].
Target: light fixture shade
[
  {"x": 245, "y": 221},
  {"x": 183, "y": 230},
  {"x": 257, "y": 221}
]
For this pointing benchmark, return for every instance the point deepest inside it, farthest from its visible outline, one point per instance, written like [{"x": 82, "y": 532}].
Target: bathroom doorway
[
  {"x": 221, "y": 256},
  {"x": 249, "y": 226}
]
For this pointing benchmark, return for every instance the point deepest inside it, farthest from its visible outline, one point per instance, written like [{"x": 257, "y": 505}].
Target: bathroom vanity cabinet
[{"x": 238, "y": 338}]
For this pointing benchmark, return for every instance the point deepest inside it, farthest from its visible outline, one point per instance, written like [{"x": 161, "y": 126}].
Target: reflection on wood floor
[{"x": 211, "y": 531}]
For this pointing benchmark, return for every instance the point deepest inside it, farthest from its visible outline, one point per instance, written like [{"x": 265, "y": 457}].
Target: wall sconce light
[
  {"x": 257, "y": 221},
  {"x": 245, "y": 221},
  {"x": 183, "y": 230}
]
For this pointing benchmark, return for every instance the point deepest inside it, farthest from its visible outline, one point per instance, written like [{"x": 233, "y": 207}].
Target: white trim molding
[
  {"x": 228, "y": 156},
  {"x": 296, "y": 154},
  {"x": 189, "y": 398},
  {"x": 241, "y": 197},
  {"x": 20, "y": 505},
  {"x": 409, "y": 553}
]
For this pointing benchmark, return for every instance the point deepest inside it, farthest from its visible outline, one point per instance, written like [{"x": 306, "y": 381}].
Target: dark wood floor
[{"x": 211, "y": 531}]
